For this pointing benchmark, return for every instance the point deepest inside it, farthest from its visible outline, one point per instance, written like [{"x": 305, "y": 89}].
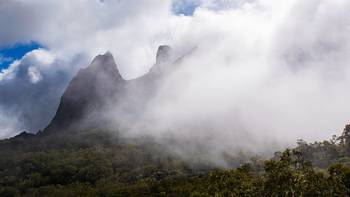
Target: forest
[
  {"x": 95, "y": 163},
  {"x": 174, "y": 98}
]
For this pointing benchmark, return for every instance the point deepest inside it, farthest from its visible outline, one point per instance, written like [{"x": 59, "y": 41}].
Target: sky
[
  {"x": 271, "y": 69},
  {"x": 15, "y": 52},
  {"x": 185, "y": 7}
]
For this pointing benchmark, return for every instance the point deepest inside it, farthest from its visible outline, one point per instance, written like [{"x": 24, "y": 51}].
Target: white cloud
[
  {"x": 30, "y": 90},
  {"x": 34, "y": 75},
  {"x": 262, "y": 73},
  {"x": 5, "y": 59},
  {"x": 273, "y": 69},
  {"x": 7, "y": 123}
]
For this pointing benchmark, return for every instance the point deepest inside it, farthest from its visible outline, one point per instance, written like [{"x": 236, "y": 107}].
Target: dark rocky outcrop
[
  {"x": 89, "y": 90},
  {"x": 99, "y": 86}
]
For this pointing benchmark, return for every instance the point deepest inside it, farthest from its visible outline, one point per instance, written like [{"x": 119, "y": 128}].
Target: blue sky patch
[
  {"x": 185, "y": 7},
  {"x": 15, "y": 52}
]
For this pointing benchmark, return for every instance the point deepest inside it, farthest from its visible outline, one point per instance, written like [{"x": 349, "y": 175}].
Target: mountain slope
[{"x": 100, "y": 86}]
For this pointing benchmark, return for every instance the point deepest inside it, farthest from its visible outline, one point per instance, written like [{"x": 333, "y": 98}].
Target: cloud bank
[{"x": 263, "y": 70}]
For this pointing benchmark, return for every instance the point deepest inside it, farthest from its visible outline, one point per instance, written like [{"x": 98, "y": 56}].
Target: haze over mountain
[
  {"x": 87, "y": 101},
  {"x": 183, "y": 92},
  {"x": 249, "y": 83}
]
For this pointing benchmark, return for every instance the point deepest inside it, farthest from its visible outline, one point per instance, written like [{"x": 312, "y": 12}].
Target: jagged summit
[
  {"x": 89, "y": 90},
  {"x": 163, "y": 54},
  {"x": 164, "y": 58},
  {"x": 104, "y": 63},
  {"x": 100, "y": 86}
]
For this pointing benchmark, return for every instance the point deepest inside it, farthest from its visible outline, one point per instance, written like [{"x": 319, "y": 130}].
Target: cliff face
[
  {"x": 99, "y": 86},
  {"x": 89, "y": 90}
]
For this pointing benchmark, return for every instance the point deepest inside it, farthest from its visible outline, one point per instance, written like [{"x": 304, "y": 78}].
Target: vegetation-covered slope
[{"x": 95, "y": 163}]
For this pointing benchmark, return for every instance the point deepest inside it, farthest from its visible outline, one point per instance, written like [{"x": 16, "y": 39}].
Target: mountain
[
  {"x": 100, "y": 86},
  {"x": 100, "y": 162}
]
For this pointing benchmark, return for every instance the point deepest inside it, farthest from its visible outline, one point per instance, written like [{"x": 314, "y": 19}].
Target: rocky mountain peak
[
  {"x": 99, "y": 86},
  {"x": 104, "y": 63},
  {"x": 164, "y": 58},
  {"x": 88, "y": 91},
  {"x": 163, "y": 54}
]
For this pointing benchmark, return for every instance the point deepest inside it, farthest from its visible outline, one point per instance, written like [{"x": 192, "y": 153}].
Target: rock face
[
  {"x": 100, "y": 86},
  {"x": 89, "y": 90}
]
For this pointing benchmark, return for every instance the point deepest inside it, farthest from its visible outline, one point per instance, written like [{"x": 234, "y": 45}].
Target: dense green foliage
[
  {"x": 323, "y": 154},
  {"x": 94, "y": 163}
]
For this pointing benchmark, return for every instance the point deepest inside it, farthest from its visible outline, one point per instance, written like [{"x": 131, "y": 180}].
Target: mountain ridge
[{"x": 101, "y": 84}]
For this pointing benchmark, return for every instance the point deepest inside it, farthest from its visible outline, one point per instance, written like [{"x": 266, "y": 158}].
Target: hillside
[
  {"x": 83, "y": 152},
  {"x": 96, "y": 163}
]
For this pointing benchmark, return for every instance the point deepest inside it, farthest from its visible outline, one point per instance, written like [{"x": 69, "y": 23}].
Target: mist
[
  {"x": 257, "y": 75},
  {"x": 254, "y": 78}
]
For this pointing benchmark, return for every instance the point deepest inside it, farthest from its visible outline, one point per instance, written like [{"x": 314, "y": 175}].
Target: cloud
[
  {"x": 4, "y": 60},
  {"x": 263, "y": 71},
  {"x": 264, "y": 74},
  {"x": 7, "y": 122},
  {"x": 100, "y": 26},
  {"x": 31, "y": 89},
  {"x": 34, "y": 75},
  {"x": 72, "y": 41}
]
